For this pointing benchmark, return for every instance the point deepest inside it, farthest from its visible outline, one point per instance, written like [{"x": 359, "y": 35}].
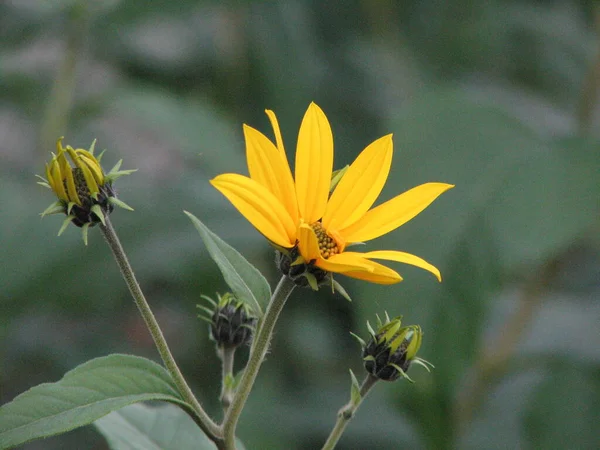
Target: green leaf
[
  {"x": 355, "y": 396},
  {"x": 82, "y": 396},
  {"x": 140, "y": 427},
  {"x": 245, "y": 281}
]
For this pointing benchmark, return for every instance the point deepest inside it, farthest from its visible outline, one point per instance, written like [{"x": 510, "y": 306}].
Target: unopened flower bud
[
  {"x": 231, "y": 321},
  {"x": 392, "y": 349},
  {"x": 85, "y": 193}
]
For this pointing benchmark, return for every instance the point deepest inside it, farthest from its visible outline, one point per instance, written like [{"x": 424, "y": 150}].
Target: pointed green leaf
[
  {"x": 84, "y": 232},
  {"x": 93, "y": 146},
  {"x": 337, "y": 287},
  {"x": 96, "y": 209},
  {"x": 121, "y": 204},
  {"x": 54, "y": 208},
  {"x": 65, "y": 224},
  {"x": 83, "y": 395},
  {"x": 355, "y": 396},
  {"x": 245, "y": 281},
  {"x": 312, "y": 281},
  {"x": 116, "y": 167},
  {"x": 361, "y": 341}
]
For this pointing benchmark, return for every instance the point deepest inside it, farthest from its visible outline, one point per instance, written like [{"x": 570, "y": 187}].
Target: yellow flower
[
  {"x": 299, "y": 213},
  {"x": 85, "y": 193}
]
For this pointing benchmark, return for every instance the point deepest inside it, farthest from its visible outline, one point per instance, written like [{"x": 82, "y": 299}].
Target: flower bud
[
  {"x": 231, "y": 321},
  {"x": 391, "y": 349},
  {"x": 85, "y": 193}
]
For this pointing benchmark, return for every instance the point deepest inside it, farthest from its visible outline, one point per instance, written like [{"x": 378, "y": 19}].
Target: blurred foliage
[{"x": 496, "y": 97}]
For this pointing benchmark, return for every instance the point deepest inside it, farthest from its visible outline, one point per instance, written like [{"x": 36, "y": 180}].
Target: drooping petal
[
  {"x": 269, "y": 167},
  {"x": 394, "y": 213},
  {"x": 376, "y": 277},
  {"x": 360, "y": 186},
  {"x": 261, "y": 208},
  {"x": 406, "y": 258},
  {"x": 314, "y": 164},
  {"x": 345, "y": 262},
  {"x": 372, "y": 271}
]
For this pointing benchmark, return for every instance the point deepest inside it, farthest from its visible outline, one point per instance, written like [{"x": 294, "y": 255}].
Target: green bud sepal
[{"x": 392, "y": 349}]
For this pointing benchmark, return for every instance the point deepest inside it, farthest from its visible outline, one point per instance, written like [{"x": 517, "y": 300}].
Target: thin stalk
[
  {"x": 346, "y": 413},
  {"x": 258, "y": 351},
  {"x": 202, "y": 419},
  {"x": 227, "y": 355}
]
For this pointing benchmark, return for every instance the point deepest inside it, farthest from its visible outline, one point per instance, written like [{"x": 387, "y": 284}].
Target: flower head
[
  {"x": 297, "y": 213},
  {"x": 392, "y": 349},
  {"x": 85, "y": 193},
  {"x": 231, "y": 320}
]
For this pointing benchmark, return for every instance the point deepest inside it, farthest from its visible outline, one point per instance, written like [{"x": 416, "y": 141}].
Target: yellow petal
[
  {"x": 268, "y": 167},
  {"x": 259, "y": 207},
  {"x": 394, "y": 213},
  {"x": 62, "y": 162},
  {"x": 50, "y": 178},
  {"x": 314, "y": 164},
  {"x": 346, "y": 262},
  {"x": 308, "y": 244},
  {"x": 90, "y": 181},
  {"x": 55, "y": 177},
  {"x": 71, "y": 188},
  {"x": 277, "y": 132},
  {"x": 360, "y": 186},
  {"x": 92, "y": 163},
  {"x": 406, "y": 258},
  {"x": 372, "y": 271}
]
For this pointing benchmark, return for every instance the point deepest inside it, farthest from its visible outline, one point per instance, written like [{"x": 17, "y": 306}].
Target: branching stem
[
  {"x": 200, "y": 416},
  {"x": 346, "y": 413}
]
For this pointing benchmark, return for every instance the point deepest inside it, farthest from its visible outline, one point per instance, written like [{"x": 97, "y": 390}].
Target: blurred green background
[{"x": 497, "y": 97}]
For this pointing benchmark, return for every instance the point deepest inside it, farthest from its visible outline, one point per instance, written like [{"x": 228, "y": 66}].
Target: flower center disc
[{"x": 327, "y": 245}]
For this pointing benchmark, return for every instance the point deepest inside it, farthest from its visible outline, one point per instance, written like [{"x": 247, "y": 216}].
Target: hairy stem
[
  {"x": 227, "y": 355},
  {"x": 200, "y": 416},
  {"x": 258, "y": 351},
  {"x": 346, "y": 413}
]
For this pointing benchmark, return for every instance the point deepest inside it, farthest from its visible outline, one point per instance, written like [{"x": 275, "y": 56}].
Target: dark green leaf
[
  {"x": 82, "y": 396},
  {"x": 245, "y": 281}
]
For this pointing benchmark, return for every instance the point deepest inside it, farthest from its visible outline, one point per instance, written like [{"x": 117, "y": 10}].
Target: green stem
[
  {"x": 346, "y": 413},
  {"x": 201, "y": 417},
  {"x": 258, "y": 351},
  {"x": 227, "y": 355}
]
